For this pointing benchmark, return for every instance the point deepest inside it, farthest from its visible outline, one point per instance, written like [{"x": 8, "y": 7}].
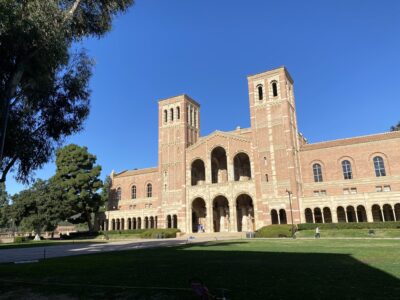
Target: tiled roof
[
  {"x": 136, "y": 172},
  {"x": 354, "y": 140}
]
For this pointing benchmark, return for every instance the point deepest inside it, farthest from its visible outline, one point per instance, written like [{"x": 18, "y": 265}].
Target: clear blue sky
[{"x": 344, "y": 57}]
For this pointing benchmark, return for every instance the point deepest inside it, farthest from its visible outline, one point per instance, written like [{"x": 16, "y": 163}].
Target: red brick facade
[{"x": 241, "y": 180}]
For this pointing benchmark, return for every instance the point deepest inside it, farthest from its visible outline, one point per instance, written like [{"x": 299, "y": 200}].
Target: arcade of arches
[
  {"x": 350, "y": 214},
  {"x": 223, "y": 219},
  {"x": 148, "y": 222},
  {"x": 219, "y": 168}
]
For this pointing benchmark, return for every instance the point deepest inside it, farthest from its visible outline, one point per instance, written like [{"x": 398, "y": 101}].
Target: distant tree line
[{"x": 74, "y": 194}]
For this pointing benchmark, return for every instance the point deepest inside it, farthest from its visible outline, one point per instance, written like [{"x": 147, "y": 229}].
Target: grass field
[{"x": 257, "y": 269}]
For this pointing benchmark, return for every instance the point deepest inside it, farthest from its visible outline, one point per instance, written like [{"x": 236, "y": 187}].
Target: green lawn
[
  {"x": 256, "y": 269},
  {"x": 352, "y": 233},
  {"x": 42, "y": 243}
]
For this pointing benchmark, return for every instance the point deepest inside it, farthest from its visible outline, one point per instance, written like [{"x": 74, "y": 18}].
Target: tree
[
  {"x": 36, "y": 208},
  {"x": 78, "y": 183},
  {"x": 4, "y": 205},
  {"x": 44, "y": 92},
  {"x": 105, "y": 192},
  {"x": 396, "y": 127}
]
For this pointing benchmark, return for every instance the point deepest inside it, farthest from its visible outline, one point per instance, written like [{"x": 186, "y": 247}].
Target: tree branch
[
  {"x": 7, "y": 169},
  {"x": 72, "y": 10}
]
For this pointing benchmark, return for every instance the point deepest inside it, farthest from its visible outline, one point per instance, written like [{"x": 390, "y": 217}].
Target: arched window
[
  {"x": 149, "y": 190},
  {"x": 327, "y": 215},
  {"x": 379, "y": 166},
  {"x": 274, "y": 217},
  {"x": 317, "y": 170},
  {"x": 309, "y": 215},
  {"x": 133, "y": 192},
  {"x": 347, "y": 172},
  {"x": 119, "y": 192},
  {"x": 172, "y": 114},
  {"x": 178, "y": 113},
  {"x": 260, "y": 92},
  {"x": 282, "y": 216},
  {"x": 274, "y": 88},
  {"x": 165, "y": 116},
  {"x": 318, "y": 215}
]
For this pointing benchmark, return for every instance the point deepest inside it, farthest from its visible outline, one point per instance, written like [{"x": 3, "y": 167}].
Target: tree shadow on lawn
[{"x": 247, "y": 274}]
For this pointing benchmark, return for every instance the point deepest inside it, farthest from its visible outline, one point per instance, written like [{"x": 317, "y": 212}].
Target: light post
[{"x": 291, "y": 210}]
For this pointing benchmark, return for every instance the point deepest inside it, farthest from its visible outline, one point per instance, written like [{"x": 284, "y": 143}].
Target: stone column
[
  {"x": 334, "y": 216},
  {"x": 208, "y": 169},
  {"x": 209, "y": 217}
]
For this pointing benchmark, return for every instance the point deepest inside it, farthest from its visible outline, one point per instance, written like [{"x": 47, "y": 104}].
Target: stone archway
[
  {"x": 219, "y": 170},
  {"x": 245, "y": 213},
  {"x": 241, "y": 165},
  {"x": 199, "y": 214},
  {"x": 221, "y": 215},
  {"x": 198, "y": 172}
]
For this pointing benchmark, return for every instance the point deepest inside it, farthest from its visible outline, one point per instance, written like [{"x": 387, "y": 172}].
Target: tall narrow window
[
  {"x": 119, "y": 192},
  {"x": 149, "y": 190},
  {"x": 195, "y": 118},
  {"x": 133, "y": 192},
  {"x": 317, "y": 170},
  {"x": 274, "y": 88},
  {"x": 347, "y": 172},
  {"x": 178, "y": 113},
  {"x": 165, "y": 116},
  {"x": 172, "y": 114},
  {"x": 379, "y": 166},
  {"x": 260, "y": 92}
]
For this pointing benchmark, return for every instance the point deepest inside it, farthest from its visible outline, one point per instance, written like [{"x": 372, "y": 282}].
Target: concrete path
[{"x": 16, "y": 255}]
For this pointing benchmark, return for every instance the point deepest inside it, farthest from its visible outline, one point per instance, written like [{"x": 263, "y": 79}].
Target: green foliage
[
  {"x": 4, "y": 205},
  {"x": 274, "y": 231},
  {"x": 79, "y": 235},
  {"x": 77, "y": 181},
  {"x": 338, "y": 226},
  {"x": 19, "y": 239},
  {"x": 105, "y": 193},
  {"x": 395, "y": 127},
  {"x": 116, "y": 232},
  {"x": 159, "y": 233},
  {"x": 37, "y": 208},
  {"x": 43, "y": 85}
]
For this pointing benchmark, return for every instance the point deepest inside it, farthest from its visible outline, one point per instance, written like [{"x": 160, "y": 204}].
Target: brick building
[{"x": 244, "y": 179}]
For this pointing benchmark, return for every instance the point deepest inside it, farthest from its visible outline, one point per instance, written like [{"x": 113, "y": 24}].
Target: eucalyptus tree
[{"x": 44, "y": 84}]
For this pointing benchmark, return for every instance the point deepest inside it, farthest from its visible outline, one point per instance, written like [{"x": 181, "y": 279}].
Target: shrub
[
  {"x": 116, "y": 232},
  {"x": 79, "y": 235},
  {"x": 159, "y": 233},
  {"x": 274, "y": 231},
  {"x": 19, "y": 239},
  {"x": 338, "y": 226}
]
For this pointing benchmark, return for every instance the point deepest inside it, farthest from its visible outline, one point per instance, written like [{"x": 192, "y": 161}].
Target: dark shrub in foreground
[{"x": 79, "y": 235}]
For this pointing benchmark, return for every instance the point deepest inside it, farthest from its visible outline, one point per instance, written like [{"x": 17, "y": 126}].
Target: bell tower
[
  {"x": 179, "y": 128},
  {"x": 275, "y": 141}
]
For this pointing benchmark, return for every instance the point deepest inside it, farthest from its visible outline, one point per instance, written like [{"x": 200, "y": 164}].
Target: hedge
[
  {"x": 361, "y": 225},
  {"x": 19, "y": 239},
  {"x": 159, "y": 233},
  {"x": 79, "y": 235},
  {"x": 116, "y": 232},
  {"x": 274, "y": 231}
]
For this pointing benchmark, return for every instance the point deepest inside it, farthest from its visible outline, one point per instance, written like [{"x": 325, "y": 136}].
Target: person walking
[{"x": 317, "y": 233}]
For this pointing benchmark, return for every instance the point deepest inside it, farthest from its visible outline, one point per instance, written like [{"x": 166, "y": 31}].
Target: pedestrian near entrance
[{"x": 317, "y": 233}]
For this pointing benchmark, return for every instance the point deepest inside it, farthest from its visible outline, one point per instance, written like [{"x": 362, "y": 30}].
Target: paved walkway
[{"x": 37, "y": 253}]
